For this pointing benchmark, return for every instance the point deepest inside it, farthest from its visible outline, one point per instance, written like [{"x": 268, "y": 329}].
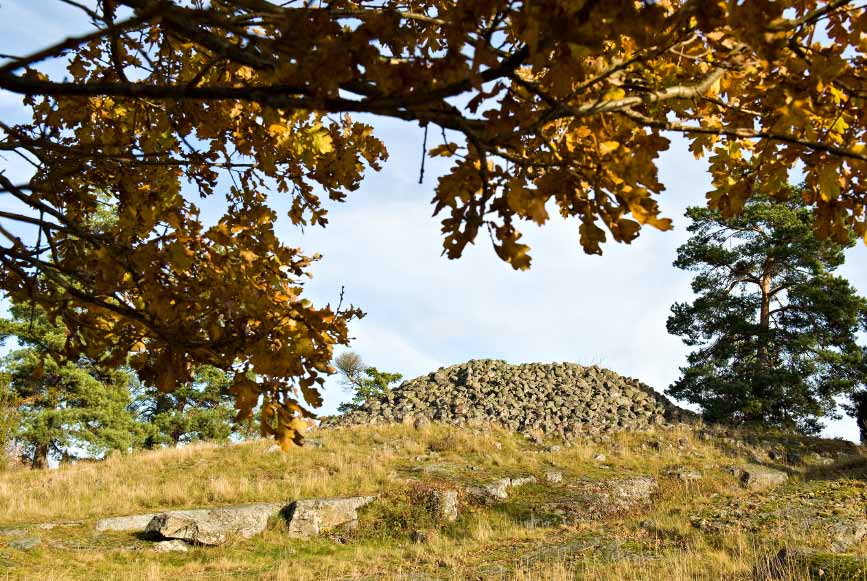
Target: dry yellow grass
[{"x": 508, "y": 541}]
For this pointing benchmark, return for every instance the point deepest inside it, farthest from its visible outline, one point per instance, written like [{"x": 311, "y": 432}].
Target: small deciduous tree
[
  {"x": 774, "y": 329},
  {"x": 366, "y": 382}
]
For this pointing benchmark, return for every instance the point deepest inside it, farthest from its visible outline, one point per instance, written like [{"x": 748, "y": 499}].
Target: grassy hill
[{"x": 702, "y": 523}]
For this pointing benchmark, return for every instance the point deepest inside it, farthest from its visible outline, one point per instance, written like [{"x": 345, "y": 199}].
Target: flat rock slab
[
  {"x": 756, "y": 477},
  {"x": 135, "y": 523},
  {"x": 311, "y": 517},
  {"x": 26, "y": 544},
  {"x": 499, "y": 489},
  {"x": 599, "y": 499},
  {"x": 214, "y": 526}
]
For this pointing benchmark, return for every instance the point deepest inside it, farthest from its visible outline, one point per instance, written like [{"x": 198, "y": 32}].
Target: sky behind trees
[{"x": 425, "y": 311}]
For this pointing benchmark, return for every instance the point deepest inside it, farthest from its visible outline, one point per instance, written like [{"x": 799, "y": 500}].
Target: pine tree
[
  {"x": 774, "y": 329},
  {"x": 198, "y": 410},
  {"x": 65, "y": 409}
]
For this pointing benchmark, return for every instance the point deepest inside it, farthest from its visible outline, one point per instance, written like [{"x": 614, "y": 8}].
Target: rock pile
[{"x": 557, "y": 399}]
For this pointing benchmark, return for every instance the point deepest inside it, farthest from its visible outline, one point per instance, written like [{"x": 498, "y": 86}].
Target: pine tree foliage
[
  {"x": 201, "y": 409},
  {"x": 65, "y": 409},
  {"x": 774, "y": 329}
]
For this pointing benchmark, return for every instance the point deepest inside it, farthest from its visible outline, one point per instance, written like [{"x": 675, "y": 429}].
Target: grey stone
[
  {"x": 311, "y": 517},
  {"x": 25, "y": 544},
  {"x": 445, "y": 505},
  {"x": 521, "y": 481},
  {"x": 214, "y": 526},
  {"x": 47, "y": 526},
  {"x": 846, "y": 534},
  {"x": 633, "y": 490},
  {"x": 554, "y": 476},
  {"x": 756, "y": 477},
  {"x": 498, "y": 489},
  {"x": 172, "y": 546},
  {"x": 133, "y": 523},
  {"x": 12, "y": 532}
]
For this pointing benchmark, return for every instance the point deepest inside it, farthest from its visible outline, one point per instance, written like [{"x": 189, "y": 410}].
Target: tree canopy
[
  {"x": 64, "y": 408},
  {"x": 551, "y": 105},
  {"x": 775, "y": 330}
]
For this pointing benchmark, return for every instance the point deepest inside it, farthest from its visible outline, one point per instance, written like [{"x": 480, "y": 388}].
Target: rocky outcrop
[
  {"x": 558, "y": 399},
  {"x": 213, "y": 526},
  {"x": 308, "y": 518}
]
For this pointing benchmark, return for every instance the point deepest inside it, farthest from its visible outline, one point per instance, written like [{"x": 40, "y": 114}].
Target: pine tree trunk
[
  {"x": 765, "y": 321},
  {"x": 763, "y": 355},
  {"x": 40, "y": 457}
]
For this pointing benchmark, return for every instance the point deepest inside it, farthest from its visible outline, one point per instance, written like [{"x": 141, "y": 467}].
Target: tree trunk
[
  {"x": 40, "y": 456},
  {"x": 765, "y": 316}
]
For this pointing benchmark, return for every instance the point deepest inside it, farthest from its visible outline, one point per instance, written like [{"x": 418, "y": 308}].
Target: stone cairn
[{"x": 539, "y": 399}]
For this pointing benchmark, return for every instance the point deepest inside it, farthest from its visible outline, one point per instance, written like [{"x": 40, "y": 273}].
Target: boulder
[
  {"x": 214, "y": 526},
  {"x": 757, "y": 477},
  {"x": 846, "y": 534},
  {"x": 173, "y": 546},
  {"x": 311, "y": 517},
  {"x": 497, "y": 490},
  {"x": 445, "y": 505},
  {"x": 633, "y": 490},
  {"x": 133, "y": 523}
]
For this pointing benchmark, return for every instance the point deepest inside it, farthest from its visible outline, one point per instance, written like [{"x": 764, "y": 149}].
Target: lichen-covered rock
[
  {"x": 554, "y": 476},
  {"x": 846, "y": 534},
  {"x": 631, "y": 491},
  {"x": 556, "y": 399},
  {"x": 135, "y": 523},
  {"x": 499, "y": 489},
  {"x": 594, "y": 499},
  {"x": 214, "y": 526},
  {"x": 757, "y": 477},
  {"x": 25, "y": 544},
  {"x": 445, "y": 505},
  {"x": 308, "y": 518},
  {"x": 496, "y": 490},
  {"x": 173, "y": 546}
]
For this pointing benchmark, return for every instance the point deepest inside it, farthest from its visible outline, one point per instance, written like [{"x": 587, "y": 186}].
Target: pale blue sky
[{"x": 425, "y": 311}]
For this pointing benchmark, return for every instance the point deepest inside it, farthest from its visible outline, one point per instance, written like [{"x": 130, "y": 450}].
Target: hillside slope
[{"x": 701, "y": 519}]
